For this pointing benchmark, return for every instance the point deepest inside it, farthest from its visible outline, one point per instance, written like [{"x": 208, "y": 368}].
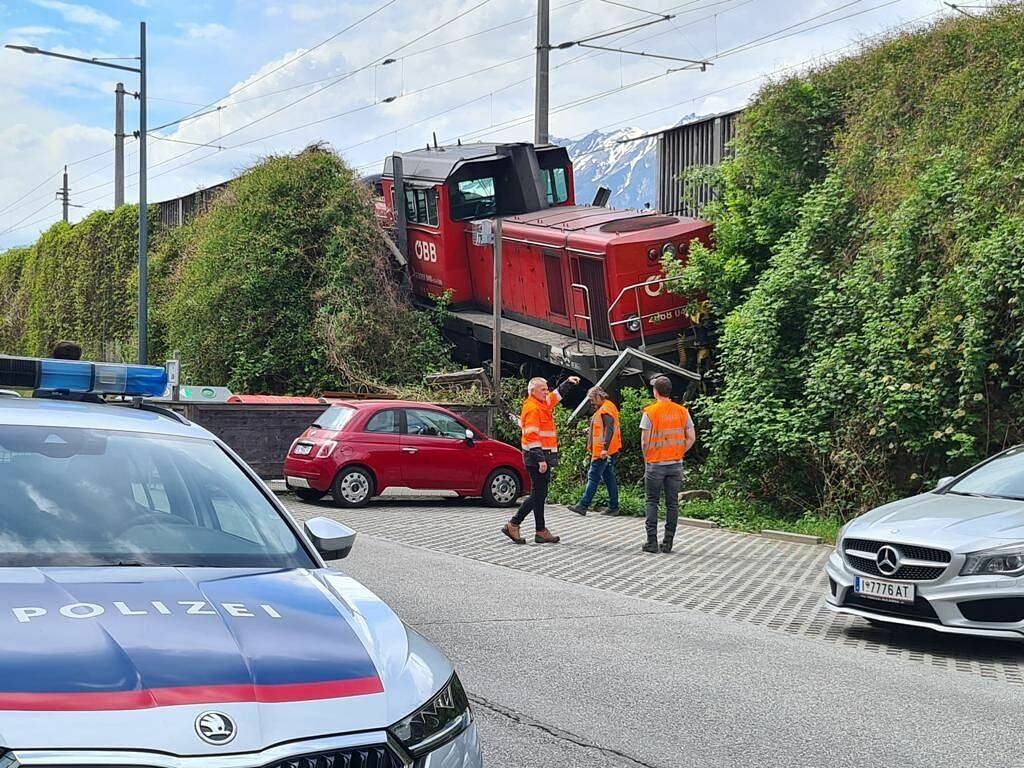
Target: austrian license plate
[
  {"x": 893, "y": 591},
  {"x": 303, "y": 449}
]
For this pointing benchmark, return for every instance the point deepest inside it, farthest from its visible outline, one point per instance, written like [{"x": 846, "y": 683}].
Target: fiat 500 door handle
[{"x": 410, "y": 449}]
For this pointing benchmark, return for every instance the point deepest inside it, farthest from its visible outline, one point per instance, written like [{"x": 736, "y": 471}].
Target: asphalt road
[{"x": 563, "y": 674}]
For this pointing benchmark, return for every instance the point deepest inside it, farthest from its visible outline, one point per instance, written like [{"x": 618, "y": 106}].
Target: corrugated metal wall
[
  {"x": 181, "y": 210},
  {"x": 704, "y": 142}
]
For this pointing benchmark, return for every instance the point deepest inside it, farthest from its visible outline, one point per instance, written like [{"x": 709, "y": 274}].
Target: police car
[{"x": 158, "y": 606}]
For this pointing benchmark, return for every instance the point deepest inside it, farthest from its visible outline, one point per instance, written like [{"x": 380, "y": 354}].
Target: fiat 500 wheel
[
  {"x": 502, "y": 488},
  {"x": 353, "y": 487}
]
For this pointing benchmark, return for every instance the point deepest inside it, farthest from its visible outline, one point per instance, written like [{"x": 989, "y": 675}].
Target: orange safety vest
[
  {"x": 537, "y": 421},
  {"x": 667, "y": 438},
  {"x": 597, "y": 431}
]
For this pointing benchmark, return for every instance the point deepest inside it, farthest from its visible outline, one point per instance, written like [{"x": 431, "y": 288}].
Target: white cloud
[
  {"x": 30, "y": 31},
  {"x": 31, "y": 147},
  {"x": 81, "y": 14},
  {"x": 306, "y": 13},
  {"x": 205, "y": 32}
]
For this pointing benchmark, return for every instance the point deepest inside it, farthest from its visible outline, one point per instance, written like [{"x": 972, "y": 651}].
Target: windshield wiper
[{"x": 987, "y": 495}]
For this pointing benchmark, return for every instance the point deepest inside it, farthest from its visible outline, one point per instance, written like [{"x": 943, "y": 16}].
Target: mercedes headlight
[
  {"x": 1005, "y": 561},
  {"x": 633, "y": 324},
  {"x": 435, "y": 723},
  {"x": 668, "y": 249}
]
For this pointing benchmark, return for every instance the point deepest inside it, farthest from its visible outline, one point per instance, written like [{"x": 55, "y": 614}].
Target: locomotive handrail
[
  {"x": 635, "y": 288},
  {"x": 588, "y": 317}
]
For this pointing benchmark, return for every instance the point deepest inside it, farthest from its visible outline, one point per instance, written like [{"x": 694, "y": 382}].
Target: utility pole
[
  {"x": 63, "y": 194},
  {"x": 540, "y": 107},
  {"x": 143, "y": 208},
  {"x": 143, "y": 212},
  {"x": 119, "y": 145},
  {"x": 496, "y": 309}
]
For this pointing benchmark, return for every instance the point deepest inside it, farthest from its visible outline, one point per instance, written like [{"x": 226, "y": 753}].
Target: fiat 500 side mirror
[
  {"x": 332, "y": 539},
  {"x": 470, "y": 436}
]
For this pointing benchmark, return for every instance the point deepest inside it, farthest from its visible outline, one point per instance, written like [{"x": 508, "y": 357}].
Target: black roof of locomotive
[{"x": 437, "y": 163}]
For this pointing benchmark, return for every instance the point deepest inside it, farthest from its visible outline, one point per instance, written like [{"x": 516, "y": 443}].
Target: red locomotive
[{"x": 579, "y": 282}]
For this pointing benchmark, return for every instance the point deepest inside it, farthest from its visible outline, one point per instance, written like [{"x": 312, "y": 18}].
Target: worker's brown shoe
[
  {"x": 544, "y": 536},
  {"x": 511, "y": 530}
]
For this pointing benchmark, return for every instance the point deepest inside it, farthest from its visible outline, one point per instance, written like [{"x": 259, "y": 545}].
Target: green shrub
[
  {"x": 286, "y": 285},
  {"x": 868, "y": 274}
]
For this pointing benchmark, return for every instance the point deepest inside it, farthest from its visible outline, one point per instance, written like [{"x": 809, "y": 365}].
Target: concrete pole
[
  {"x": 119, "y": 145},
  {"x": 496, "y": 308},
  {"x": 540, "y": 108},
  {"x": 143, "y": 208},
  {"x": 64, "y": 194}
]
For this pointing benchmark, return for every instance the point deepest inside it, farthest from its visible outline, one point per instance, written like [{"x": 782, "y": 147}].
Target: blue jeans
[{"x": 601, "y": 469}]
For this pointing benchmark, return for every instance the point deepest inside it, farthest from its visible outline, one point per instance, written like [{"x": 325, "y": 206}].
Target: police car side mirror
[
  {"x": 332, "y": 539},
  {"x": 943, "y": 483}
]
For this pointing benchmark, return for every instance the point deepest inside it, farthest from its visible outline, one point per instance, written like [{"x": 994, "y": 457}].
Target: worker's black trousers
[{"x": 535, "y": 501}]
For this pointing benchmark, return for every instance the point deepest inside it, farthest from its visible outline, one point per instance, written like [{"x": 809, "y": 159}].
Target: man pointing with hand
[{"x": 540, "y": 454}]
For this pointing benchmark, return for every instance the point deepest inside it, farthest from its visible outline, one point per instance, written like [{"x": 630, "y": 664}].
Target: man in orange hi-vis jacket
[
  {"x": 666, "y": 434},
  {"x": 540, "y": 455},
  {"x": 604, "y": 441}
]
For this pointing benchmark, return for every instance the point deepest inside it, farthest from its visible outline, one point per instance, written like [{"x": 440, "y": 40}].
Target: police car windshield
[{"x": 71, "y": 497}]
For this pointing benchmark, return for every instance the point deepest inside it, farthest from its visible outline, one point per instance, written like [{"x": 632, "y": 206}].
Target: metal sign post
[{"x": 496, "y": 307}]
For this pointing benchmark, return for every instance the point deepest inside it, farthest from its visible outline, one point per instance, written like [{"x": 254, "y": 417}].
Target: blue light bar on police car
[{"x": 80, "y": 376}]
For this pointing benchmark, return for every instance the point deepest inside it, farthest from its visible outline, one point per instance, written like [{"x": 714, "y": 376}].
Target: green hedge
[
  {"x": 869, "y": 273},
  {"x": 285, "y": 285},
  {"x": 76, "y": 282}
]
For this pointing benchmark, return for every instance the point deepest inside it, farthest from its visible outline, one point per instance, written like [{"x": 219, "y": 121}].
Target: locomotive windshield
[
  {"x": 557, "y": 187},
  {"x": 474, "y": 199}
]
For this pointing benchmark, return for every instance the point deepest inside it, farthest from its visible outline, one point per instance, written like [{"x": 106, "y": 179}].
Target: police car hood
[{"x": 129, "y": 658}]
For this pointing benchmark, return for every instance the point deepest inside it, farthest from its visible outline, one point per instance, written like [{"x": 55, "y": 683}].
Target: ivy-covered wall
[{"x": 868, "y": 272}]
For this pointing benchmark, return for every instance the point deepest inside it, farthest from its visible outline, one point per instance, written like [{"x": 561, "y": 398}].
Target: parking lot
[{"x": 589, "y": 653}]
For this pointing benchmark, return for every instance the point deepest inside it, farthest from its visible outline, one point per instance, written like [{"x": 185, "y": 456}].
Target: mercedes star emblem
[
  {"x": 888, "y": 560},
  {"x": 215, "y": 728}
]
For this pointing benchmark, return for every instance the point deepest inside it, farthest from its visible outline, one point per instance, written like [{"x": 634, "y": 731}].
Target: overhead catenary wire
[
  {"x": 306, "y": 52},
  {"x": 197, "y": 114},
  {"x": 14, "y": 226},
  {"x": 245, "y": 85},
  {"x": 338, "y": 80},
  {"x": 515, "y": 122},
  {"x": 412, "y": 54},
  {"x": 766, "y": 39},
  {"x": 420, "y": 90},
  {"x": 676, "y": 105}
]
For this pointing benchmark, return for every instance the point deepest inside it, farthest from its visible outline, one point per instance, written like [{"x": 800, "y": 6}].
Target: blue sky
[{"x": 256, "y": 60}]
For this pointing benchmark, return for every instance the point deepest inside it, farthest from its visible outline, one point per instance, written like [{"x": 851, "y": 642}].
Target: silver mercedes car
[{"x": 950, "y": 560}]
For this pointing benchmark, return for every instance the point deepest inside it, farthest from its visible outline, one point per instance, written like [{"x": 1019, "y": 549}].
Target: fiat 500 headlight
[
  {"x": 1007, "y": 561},
  {"x": 435, "y": 723}
]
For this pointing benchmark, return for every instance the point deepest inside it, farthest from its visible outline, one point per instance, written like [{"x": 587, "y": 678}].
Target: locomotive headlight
[
  {"x": 633, "y": 324},
  {"x": 668, "y": 249}
]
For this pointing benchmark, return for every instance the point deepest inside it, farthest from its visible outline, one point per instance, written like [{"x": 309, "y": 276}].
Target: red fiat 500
[{"x": 361, "y": 449}]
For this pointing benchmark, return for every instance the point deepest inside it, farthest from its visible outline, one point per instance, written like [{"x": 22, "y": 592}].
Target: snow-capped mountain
[{"x": 608, "y": 159}]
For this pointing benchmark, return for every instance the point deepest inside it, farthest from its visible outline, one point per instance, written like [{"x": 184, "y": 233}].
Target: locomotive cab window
[
  {"x": 421, "y": 206},
  {"x": 557, "y": 187},
  {"x": 474, "y": 198}
]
